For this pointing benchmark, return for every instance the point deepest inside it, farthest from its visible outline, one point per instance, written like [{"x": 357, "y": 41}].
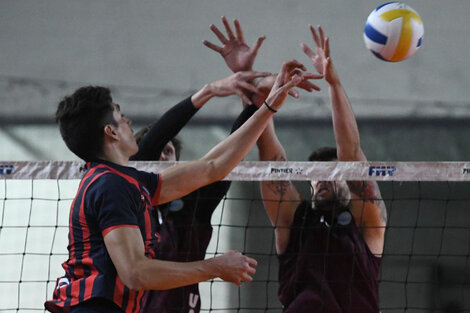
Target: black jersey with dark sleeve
[
  {"x": 184, "y": 235},
  {"x": 165, "y": 129}
]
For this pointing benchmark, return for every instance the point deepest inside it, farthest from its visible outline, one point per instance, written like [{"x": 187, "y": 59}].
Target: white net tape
[{"x": 259, "y": 171}]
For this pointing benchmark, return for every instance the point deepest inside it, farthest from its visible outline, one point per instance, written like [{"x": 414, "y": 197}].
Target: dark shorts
[{"x": 96, "y": 305}]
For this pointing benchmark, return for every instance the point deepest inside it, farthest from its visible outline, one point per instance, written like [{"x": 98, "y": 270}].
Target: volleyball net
[{"x": 426, "y": 260}]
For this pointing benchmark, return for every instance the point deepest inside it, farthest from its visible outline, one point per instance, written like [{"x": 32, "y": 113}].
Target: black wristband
[{"x": 269, "y": 107}]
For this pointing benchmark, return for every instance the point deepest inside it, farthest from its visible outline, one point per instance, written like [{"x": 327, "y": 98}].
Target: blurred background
[{"x": 151, "y": 56}]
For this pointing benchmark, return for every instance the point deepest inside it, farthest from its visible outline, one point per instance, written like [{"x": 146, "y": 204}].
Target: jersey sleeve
[
  {"x": 152, "y": 184},
  {"x": 115, "y": 202}
]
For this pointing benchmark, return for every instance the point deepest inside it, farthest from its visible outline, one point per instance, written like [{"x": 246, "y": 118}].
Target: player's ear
[{"x": 110, "y": 132}]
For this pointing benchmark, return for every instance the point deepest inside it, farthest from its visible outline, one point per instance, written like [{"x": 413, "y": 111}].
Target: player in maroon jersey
[
  {"x": 329, "y": 246},
  {"x": 111, "y": 233},
  {"x": 184, "y": 225}
]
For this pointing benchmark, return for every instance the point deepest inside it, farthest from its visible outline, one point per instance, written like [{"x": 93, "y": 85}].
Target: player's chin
[
  {"x": 323, "y": 203},
  {"x": 324, "y": 196},
  {"x": 134, "y": 150}
]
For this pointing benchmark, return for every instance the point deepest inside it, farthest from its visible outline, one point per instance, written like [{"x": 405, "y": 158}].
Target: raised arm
[
  {"x": 169, "y": 125},
  {"x": 367, "y": 205},
  {"x": 162, "y": 131},
  {"x": 344, "y": 122},
  {"x": 280, "y": 198},
  {"x": 220, "y": 160}
]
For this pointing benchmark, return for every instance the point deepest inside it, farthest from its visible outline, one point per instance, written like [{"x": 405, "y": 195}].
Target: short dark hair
[
  {"x": 82, "y": 117},
  {"x": 324, "y": 154},
  {"x": 177, "y": 143}
]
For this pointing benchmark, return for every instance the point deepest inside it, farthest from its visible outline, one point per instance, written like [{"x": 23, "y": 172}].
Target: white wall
[{"x": 157, "y": 45}]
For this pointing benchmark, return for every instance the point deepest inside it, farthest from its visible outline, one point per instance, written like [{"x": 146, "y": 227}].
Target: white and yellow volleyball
[{"x": 393, "y": 32}]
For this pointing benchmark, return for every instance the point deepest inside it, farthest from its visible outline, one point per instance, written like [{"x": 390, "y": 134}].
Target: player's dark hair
[
  {"x": 177, "y": 143},
  {"x": 82, "y": 117},
  {"x": 324, "y": 154}
]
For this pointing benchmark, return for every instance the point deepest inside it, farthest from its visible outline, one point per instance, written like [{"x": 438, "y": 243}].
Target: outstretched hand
[
  {"x": 238, "y": 83},
  {"x": 237, "y": 54},
  {"x": 292, "y": 74},
  {"x": 321, "y": 59}
]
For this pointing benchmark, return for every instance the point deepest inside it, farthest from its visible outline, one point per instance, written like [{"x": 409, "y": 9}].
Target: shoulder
[{"x": 113, "y": 184}]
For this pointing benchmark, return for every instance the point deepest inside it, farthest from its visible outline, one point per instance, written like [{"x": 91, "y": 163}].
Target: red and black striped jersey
[{"x": 109, "y": 196}]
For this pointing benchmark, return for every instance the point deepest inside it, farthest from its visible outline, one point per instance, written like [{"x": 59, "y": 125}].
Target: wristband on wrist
[{"x": 269, "y": 107}]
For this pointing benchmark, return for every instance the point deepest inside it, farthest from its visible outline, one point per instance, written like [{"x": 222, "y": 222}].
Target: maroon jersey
[
  {"x": 184, "y": 226},
  {"x": 109, "y": 196},
  {"x": 327, "y": 267},
  {"x": 184, "y": 232}
]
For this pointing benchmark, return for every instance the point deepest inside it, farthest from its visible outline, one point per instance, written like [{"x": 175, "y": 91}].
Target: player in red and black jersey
[
  {"x": 111, "y": 233},
  {"x": 110, "y": 196},
  {"x": 330, "y": 246}
]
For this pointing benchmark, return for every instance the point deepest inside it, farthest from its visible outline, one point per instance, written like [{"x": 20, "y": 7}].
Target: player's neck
[
  {"x": 332, "y": 206},
  {"x": 115, "y": 156}
]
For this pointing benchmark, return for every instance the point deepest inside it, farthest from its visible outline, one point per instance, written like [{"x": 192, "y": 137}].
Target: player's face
[
  {"x": 324, "y": 190},
  {"x": 168, "y": 153},
  {"x": 329, "y": 191},
  {"x": 124, "y": 129}
]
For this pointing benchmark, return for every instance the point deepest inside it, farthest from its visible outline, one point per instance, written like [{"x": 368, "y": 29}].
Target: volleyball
[{"x": 393, "y": 32}]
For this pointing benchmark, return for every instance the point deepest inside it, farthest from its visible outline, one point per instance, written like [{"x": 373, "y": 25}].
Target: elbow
[
  {"x": 351, "y": 153},
  {"x": 215, "y": 171},
  {"x": 133, "y": 279},
  {"x": 133, "y": 283}
]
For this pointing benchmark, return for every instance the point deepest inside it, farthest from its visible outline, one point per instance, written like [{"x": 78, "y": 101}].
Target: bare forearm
[
  {"x": 280, "y": 198},
  {"x": 228, "y": 153},
  {"x": 201, "y": 97},
  {"x": 216, "y": 164},
  {"x": 269, "y": 147},
  {"x": 161, "y": 275},
  {"x": 344, "y": 124}
]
